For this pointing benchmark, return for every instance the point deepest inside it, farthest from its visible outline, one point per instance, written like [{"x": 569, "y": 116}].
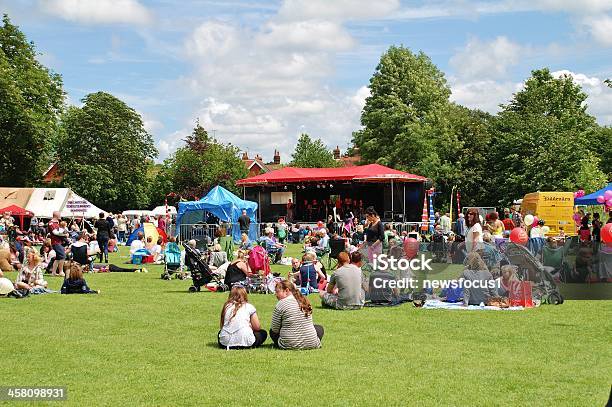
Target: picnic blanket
[{"x": 437, "y": 304}]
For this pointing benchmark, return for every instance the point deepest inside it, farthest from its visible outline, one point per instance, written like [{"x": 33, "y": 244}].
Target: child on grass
[{"x": 75, "y": 283}]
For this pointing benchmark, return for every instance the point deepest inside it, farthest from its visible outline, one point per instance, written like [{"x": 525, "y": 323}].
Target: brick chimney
[
  {"x": 258, "y": 157},
  {"x": 276, "y": 157},
  {"x": 245, "y": 156},
  {"x": 337, "y": 153}
]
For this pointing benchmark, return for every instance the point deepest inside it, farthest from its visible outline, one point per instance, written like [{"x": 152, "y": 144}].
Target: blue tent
[
  {"x": 591, "y": 199},
  {"x": 224, "y": 205}
]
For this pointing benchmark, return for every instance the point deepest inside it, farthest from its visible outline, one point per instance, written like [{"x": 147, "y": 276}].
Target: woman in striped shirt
[{"x": 292, "y": 326}]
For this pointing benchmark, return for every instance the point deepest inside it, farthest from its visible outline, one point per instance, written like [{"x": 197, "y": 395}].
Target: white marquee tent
[{"x": 44, "y": 201}]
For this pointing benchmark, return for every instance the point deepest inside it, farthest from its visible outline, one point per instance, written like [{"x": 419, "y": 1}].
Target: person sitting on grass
[
  {"x": 75, "y": 283},
  {"x": 245, "y": 243},
  {"x": 507, "y": 279},
  {"x": 239, "y": 325},
  {"x": 137, "y": 243},
  {"x": 149, "y": 245},
  {"x": 237, "y": 271},
  {"x": 292, "y": 326},
  {"x": 322, "y": 243},
  {"x": 157, "y": 251},
  {"x": 294, "y": 274},
  {"x": 344, "y": 290},
  {"x": 272, "y": 246},
  {"x": 81, "y": 252},
  {"x": 310, "y": 272},
  {"x": 30, "y": 275},
  {"x": 476, "y": 271}
]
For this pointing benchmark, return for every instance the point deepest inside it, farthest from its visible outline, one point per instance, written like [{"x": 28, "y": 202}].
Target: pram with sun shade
[
  {"x": 544, "y": 287},
  {"x": 200, "y": 272},
  {"x": 172, "y": 262}
]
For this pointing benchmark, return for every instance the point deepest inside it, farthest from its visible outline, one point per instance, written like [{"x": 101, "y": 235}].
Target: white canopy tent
[
  {"x": 136, "y": 212},
  {"x": 161, "y": 210},
  {"x": 76, "y": 206},
  {"x": 44, "y": 201}
]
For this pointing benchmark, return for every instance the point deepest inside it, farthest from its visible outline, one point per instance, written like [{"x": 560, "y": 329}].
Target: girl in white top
[
  {"x": 240, "y": 327},
  {"x": 474, "y": 233}
]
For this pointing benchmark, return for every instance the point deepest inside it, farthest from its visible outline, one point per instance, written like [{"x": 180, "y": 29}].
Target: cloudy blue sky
[{"x": 259, "y": 73}]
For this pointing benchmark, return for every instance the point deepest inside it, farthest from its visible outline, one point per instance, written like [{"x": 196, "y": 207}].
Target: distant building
[
  {"x": 52, "y": 175},
  {"x": 347, "y": 160},
  {"x": 256, "y": 165}
]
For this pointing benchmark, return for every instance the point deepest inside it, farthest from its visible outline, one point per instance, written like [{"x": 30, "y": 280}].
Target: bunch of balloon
[{"x": 606, "y": 199}]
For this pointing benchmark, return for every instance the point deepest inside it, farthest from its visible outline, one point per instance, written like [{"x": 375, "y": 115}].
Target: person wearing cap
[{"x": 536, "y": 231}]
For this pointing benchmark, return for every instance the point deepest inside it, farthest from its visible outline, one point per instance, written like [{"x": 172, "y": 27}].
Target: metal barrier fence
[{"x": 206, "y": 231}]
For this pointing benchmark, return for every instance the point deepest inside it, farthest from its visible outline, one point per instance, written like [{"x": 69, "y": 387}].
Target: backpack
[
  {"x": 258, "y": 260},
  {"x": 453, "y": 294}
]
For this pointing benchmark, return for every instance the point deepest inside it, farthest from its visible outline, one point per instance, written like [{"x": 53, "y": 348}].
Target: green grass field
[{"x": 149, "y": 341}]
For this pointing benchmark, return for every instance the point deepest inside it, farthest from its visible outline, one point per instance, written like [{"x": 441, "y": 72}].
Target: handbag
[{"x": 520, "y": 294}]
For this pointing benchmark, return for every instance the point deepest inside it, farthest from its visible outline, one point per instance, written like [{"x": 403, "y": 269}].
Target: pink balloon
[
  {"x": 601, "y": 199},
  {"x": 411, "y": 247},
  {"x": 608, "y": 194}
]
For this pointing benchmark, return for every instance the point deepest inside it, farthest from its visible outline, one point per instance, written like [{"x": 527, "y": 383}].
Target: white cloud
[
  {"x": 580, "y": 7},
  {"x": 486, "y": 59},
  {"x": 336, "y": 9},
  {"x": 260, "y": 87},
  {"x": 599, "y": 102},
  {"x": 600, "y": 28},
  {"x": 306, "y": 35},
  {"x": 212, "y": 39},
  {"x": 593, "y": 14},
  {"x": 488, "y": 94},
  {"x": 485, "y": 95},
  {"x": 98, "y": 11},
  {"x": 359, "y": 98}
]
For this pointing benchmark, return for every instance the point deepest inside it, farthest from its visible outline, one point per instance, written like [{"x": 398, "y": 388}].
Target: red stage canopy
[
  {"x": 16, "y": 211},
  {"x": 362, "y": 173}
]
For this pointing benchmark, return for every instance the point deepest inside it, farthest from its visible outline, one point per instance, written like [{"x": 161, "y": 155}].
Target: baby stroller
[
  {"x": 200, "y": 272},
  {"x": 172, "y": 262},
  {"x": 437, "y": 247},
  {"x": 530, "y": 269},
  {"x": 256, "y": 283}
]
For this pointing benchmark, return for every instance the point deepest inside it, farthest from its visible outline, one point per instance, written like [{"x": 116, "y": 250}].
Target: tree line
[{"x": 542, "y": 139}]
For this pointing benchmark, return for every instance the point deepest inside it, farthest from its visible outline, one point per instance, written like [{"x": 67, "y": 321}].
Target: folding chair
[
  {"x": 227, "y": 245},
  {"x": 336, "y": 246}
]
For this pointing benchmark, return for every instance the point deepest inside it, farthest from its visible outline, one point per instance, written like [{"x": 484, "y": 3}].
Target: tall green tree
[
  {"x": 406, "y": 118},
  {"x": 200, "y": 165},
  {"x": 103, "y": 151},
  {"x": 31, "y": 99},
  {"x": 544, "y": 139},
  {"x": 310, "y": 153}
]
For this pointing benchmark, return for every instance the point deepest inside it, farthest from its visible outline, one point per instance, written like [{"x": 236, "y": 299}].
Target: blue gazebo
[
  {"x": 224, "y": 205},
  {"x": 591, "y": 199}
]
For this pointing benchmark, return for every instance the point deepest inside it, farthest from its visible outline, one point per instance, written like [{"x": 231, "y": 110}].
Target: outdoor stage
[{"x": 395, "y": 195}]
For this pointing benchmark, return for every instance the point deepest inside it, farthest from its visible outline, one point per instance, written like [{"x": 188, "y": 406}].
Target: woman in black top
[
  {"x": 102, "y": 236},
  {"x": 375, "y": 233},
  {"x": 237, "y": 271}
]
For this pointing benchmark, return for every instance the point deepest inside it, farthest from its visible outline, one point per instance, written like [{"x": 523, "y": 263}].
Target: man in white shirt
[
  {"x": 445, "y": 223},
  {"x": 137, "y": 243}
]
